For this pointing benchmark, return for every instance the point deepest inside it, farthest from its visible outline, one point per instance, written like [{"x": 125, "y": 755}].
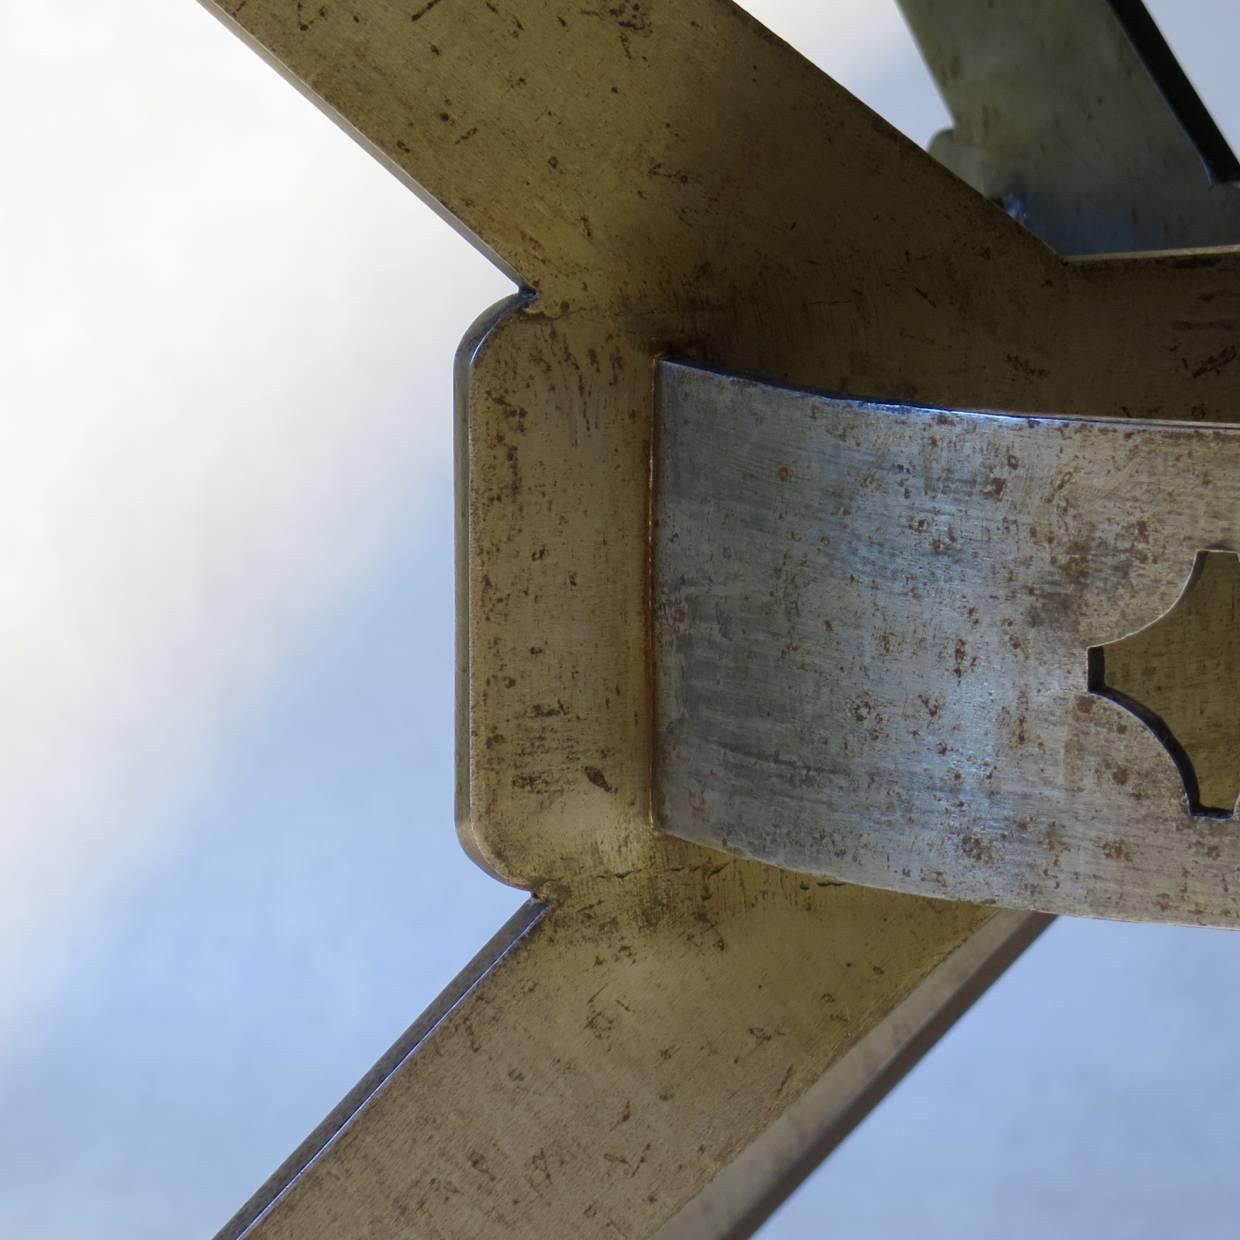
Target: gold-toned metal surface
[
  {"x": 610, "y": 1066},
  {"x": 286, "y": 1177},
  {"x": 750, "y": 1188},
  {"x": 665, "y": 175},
  {"x": 1180, "y": 676},
  {"x": 873, "y": 628}
]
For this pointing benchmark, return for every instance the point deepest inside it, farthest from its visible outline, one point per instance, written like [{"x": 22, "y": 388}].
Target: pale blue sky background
[{"x": 229, "y": 872}]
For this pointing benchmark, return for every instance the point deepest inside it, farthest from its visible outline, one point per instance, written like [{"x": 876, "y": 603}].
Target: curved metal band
[{"x": 873, "y": 635}]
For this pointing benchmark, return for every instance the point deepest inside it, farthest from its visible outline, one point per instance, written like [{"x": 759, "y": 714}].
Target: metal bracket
[
  {"x": 1077, "y": 119},
  {"x": 886, "y": 647},
  {"x": 632, "y": 1043}
]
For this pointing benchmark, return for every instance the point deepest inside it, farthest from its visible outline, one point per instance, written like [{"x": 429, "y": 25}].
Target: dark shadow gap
[{"x": 1181, "y": 95}]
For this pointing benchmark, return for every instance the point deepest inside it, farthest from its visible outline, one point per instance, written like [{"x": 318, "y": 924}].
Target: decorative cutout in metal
[
  {"x": 1181, "y": 677},
  {"x": 581, "y": 149},
  {"x": 871, "y": 628}
]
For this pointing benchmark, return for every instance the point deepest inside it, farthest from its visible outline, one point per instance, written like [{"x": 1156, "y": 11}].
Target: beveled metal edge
[
  {"x": 1176, "y": 89},
  {"x": 285, "y": 1177},
  {"x": 1077, "y": 118},
  {"x": 879, "y": 404},
  {"x": 228, "y": 19},
  {"x": 756, "y": 1183},
  {"x": 466, "y": 354}
]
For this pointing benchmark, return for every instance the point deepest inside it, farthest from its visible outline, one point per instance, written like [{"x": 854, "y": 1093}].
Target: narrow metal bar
[
  {"x": 285, "y": 1176},
  {"x": 1178, "y": 92},
  {"x": 1077, "y": 118},
  {"x": 756, "y": 1183}
]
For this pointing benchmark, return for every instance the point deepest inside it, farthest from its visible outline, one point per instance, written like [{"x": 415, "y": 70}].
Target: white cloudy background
[{"x": 228, "y": 873}]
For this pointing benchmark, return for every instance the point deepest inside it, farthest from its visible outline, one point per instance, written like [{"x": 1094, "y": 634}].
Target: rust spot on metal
[{"x": 597, "y": 778}]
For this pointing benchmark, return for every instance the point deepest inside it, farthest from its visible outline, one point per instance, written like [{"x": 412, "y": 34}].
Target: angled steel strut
[{"x": 677, "y": 1029}]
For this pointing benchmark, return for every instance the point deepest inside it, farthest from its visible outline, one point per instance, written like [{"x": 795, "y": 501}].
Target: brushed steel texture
[{"x": 872, "y": 634}]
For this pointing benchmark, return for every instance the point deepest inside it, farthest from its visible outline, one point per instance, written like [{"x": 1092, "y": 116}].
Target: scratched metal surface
[
  {"x": 625, "y": 1050},
  {"x": 1076, "y": 116},
  {"x": 872, "y": 626}
]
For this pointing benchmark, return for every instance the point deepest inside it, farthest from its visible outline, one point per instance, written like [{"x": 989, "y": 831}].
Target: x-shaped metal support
[{"x": 666, "y": 177}]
